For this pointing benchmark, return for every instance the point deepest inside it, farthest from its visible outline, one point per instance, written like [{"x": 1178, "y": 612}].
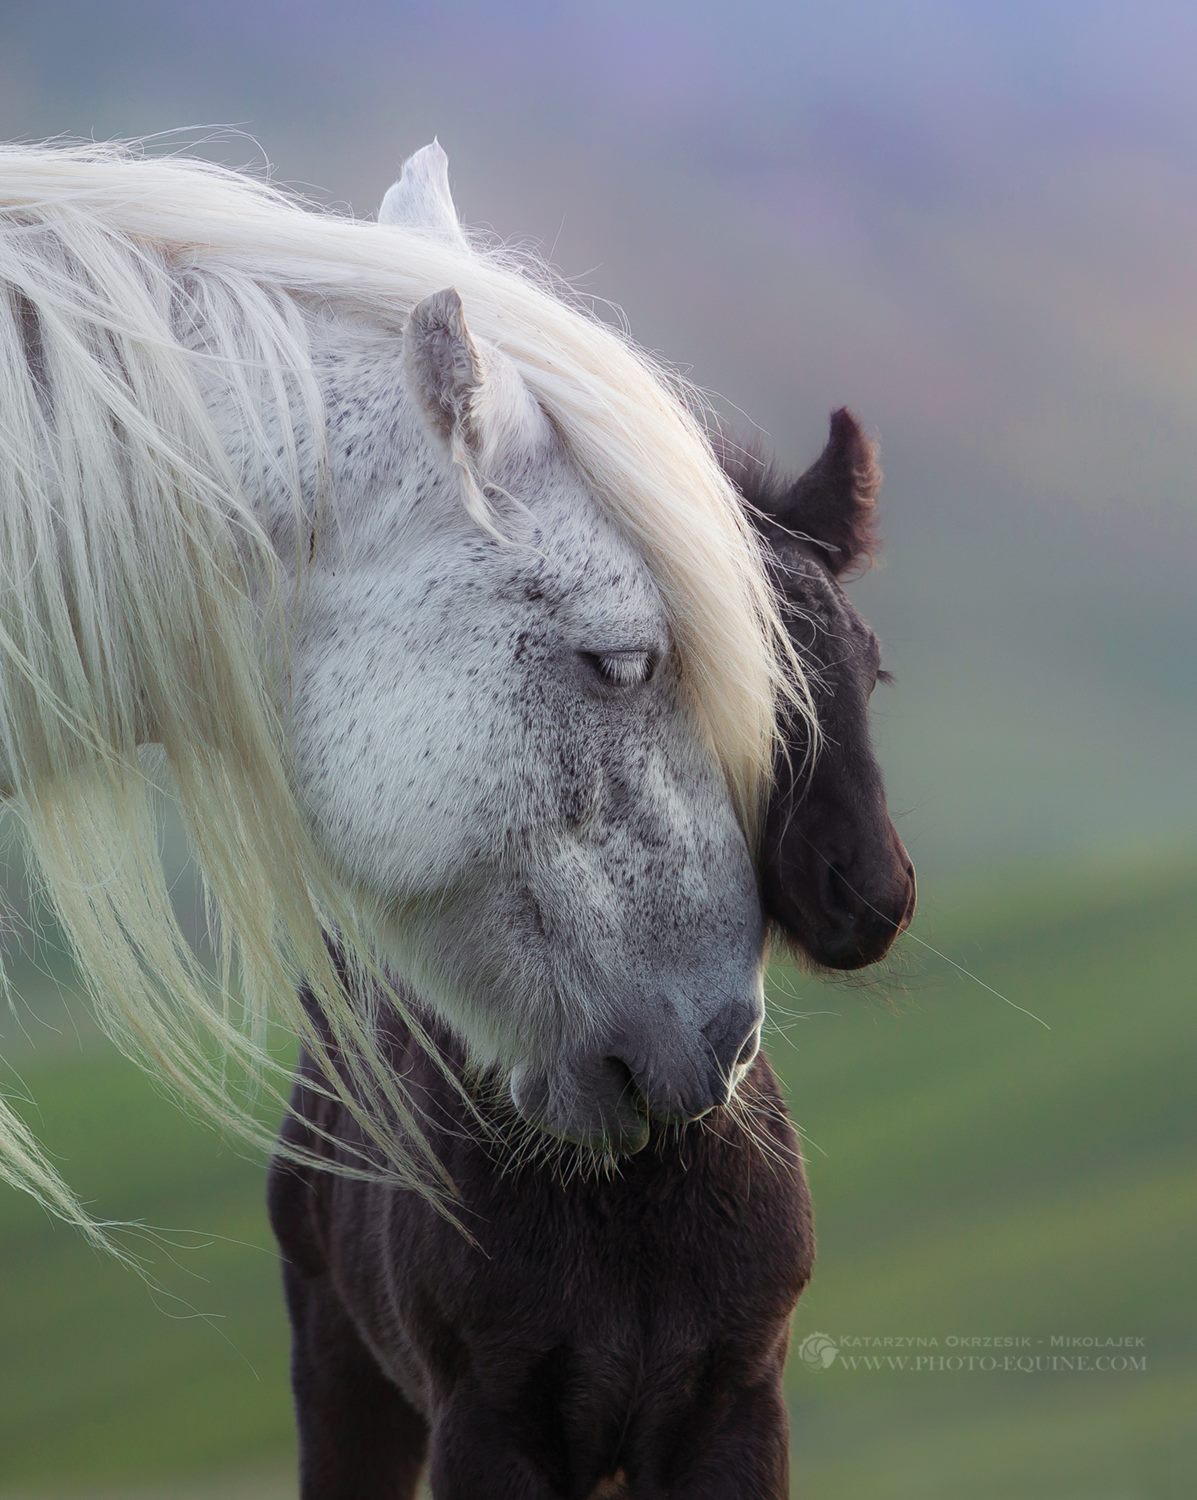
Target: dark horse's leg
[
  {"x": 473, "y": 1458},
  {"x": 359, "y": 1439},
  {"x": 745, "y": 1452}
]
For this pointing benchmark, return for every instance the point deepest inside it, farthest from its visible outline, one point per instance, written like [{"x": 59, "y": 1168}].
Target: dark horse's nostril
[{"x": 839, "y": 896}]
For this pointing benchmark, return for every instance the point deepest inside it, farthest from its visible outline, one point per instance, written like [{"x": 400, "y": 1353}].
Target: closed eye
[{"x": 623, "y": 668}]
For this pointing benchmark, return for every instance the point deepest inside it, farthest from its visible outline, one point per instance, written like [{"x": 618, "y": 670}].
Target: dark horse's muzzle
[{"x": 842, "y": 907}]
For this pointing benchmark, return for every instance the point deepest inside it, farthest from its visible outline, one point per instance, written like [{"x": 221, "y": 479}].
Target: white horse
[{"x": 442, "y": 610}]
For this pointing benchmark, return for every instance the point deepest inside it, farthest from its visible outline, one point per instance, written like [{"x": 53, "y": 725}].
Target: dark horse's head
[{"x": 835, "y": 876}]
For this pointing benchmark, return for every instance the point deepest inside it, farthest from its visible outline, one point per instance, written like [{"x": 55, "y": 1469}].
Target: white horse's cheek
[{"x": 403, "y": 737}]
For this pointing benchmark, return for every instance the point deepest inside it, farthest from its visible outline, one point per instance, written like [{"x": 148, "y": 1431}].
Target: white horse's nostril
[
  {"x": 734, "y": 1037},
  {"x": 749, "y": 1050}
]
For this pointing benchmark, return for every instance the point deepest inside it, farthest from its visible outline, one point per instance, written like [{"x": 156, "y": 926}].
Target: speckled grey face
[{"x": 494, "y": 746}]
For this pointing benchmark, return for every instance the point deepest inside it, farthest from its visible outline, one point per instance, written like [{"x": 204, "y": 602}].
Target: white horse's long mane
[{"x": 136, "y": 583}]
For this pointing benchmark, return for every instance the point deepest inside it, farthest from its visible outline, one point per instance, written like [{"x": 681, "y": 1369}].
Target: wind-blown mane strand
[
  {"x": 135, "y": 583},
  {"x": 137, "y": 586}
]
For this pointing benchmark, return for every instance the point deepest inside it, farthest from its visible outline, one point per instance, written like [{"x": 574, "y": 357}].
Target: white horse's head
[
  {"x": 496, "y": 748},
  {"x": 528, "y": 674}
]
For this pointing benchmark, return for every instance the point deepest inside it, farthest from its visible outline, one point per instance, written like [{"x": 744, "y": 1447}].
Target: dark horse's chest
[{"x": 599, "y": 1325}]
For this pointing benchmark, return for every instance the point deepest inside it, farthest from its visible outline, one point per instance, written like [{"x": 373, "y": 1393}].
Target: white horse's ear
[
  {"x": 443, "y": 364},
  {"x": 421, "y": 198},
  {"x": 473, "y": 400}
]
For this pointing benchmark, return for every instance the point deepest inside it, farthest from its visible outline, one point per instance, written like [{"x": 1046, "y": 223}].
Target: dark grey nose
[
  {"x": 671, "y": 1074},
  {"x": 683, "y": 1081}
]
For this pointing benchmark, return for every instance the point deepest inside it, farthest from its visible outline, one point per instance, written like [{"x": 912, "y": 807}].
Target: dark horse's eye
[{"x": 623, "y": 668}]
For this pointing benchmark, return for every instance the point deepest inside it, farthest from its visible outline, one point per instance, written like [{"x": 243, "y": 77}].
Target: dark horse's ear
[{"x": 835, "y": 502}]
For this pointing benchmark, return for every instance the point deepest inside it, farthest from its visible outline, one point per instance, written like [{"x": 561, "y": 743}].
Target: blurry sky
[{"x": 975, "y": 223}]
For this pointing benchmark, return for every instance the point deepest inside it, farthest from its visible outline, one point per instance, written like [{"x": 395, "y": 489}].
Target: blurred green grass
[{"x": 974, "y": 1175}]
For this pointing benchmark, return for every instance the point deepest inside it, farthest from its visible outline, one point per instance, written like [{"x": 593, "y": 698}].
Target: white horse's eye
[{"x": 624, "y": 668}]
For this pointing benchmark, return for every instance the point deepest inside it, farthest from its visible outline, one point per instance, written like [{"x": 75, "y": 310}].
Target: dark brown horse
[{"x": 621, "y": 1332}]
